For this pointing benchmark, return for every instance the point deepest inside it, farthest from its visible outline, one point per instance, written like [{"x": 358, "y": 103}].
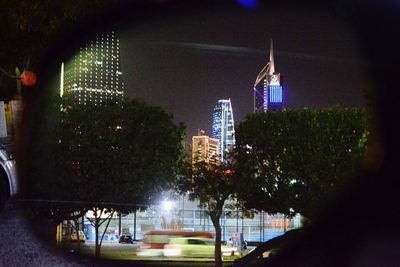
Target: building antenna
[{"x": 271, "y": 59}]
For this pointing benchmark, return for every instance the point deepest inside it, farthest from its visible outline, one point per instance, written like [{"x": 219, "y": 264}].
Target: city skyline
[{"x": 186, "y": 65}]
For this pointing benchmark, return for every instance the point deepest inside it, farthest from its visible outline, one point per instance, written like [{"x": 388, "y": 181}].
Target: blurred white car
[{"x": 195, "y": 247}]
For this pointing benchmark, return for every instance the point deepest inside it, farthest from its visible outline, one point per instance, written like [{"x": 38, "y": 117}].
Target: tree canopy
[
  {"x": 295, "y": 161},
  {"x": 212, "y": 185},
  {"x": 125, "y": 151},
  {"x": 118, "y": 156}
]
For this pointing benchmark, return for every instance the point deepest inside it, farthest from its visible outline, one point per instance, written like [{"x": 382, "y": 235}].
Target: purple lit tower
[{"x": 268, "y": 93}]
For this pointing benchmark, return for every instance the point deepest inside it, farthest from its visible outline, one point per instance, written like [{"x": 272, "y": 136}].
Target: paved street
[
  {"x": 114, "y": 250},
  {"x": 19, "y": 247}
]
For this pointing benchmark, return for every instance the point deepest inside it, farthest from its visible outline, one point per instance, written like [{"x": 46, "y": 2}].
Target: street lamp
[{"x": 167, "y": 205}]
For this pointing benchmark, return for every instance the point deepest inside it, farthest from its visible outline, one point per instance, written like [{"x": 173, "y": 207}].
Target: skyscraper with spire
[
  {"x": 223, "y": 127},
  {"x": 268, "y": 93}
]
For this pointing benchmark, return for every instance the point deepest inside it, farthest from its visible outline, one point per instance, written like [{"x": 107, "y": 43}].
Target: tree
[
  {"x": 212, "y": 185},
  {"x": 105, "y": 158},
  {"x": 296, "y": 161}
]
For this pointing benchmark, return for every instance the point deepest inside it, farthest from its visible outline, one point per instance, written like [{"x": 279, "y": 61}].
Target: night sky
[{"x": 186, "y": 64}]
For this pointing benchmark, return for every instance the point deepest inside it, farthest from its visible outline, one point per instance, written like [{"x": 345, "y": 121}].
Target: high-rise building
[
  {"x": 94, "y": 73},
  {"x": 204, "y": 148},
  {"x": 223, "y": 127},
  {"x": 268, "y": 93}
]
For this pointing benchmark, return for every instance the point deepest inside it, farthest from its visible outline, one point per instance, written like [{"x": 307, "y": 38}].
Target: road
[
  {"x": 114, "y": 250},
  {"x": 20, "y": 247}
]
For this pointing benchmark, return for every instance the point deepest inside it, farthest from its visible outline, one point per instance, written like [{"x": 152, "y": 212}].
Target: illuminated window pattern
[
  {"x": 267, "y": 97},
  {"x": 275, "y": 94},
  {"x": 94, "y": 73},
  {"x": 205, "y": 149},
  {"x": 258, "y": 99},
  {"x": 223, "y": 128}
]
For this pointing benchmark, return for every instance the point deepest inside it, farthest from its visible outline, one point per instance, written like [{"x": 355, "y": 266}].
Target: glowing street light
[{"x": 167, "y": 205}]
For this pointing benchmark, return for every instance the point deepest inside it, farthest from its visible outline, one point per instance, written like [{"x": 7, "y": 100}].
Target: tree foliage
[
  {"x": 127, "y": 151},
  {"x": 116, "y": 156},
  {"x": 295, "y": 161},
  {"x": 212, "y": 185}
]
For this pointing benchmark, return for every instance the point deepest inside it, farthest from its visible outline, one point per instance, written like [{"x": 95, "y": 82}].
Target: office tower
[
  {"x": 204, "y": 148},
  {"x": 268, "y": 94},
  {"x": 223, "y": 127},
  {"x": 94, "y": 73}
]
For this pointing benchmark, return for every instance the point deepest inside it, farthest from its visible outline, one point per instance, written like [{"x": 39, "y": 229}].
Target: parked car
[
  {"x": 8, "y": 174},
  {"x": 126, "y": 238},
  {"x": 108, "y": 237},
  {"x": 195, "y": 247},
  {"x": 74, "y": 236}
]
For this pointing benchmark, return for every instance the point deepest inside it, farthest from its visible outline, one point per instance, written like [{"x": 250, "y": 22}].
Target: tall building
[
  {"x": 204, "y": 148},
  {"x": 268, "y": 93},
  {"x": 94, "y": 73},
  {"x": 223, "y": 127}
]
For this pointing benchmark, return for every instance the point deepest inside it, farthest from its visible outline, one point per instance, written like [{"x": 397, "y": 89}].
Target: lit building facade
[
  {"x": 204, "y": 148},
  {"x": 268, "y": 92},
  {"x": 94, "y": 73},
  {"x": 223, "y": 127}
]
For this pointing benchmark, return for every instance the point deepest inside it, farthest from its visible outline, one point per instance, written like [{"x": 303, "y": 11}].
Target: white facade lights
[{"x": 97, "y": 65}]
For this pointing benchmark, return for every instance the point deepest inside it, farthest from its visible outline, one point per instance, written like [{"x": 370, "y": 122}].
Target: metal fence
[{"x": 257, "y": 228}]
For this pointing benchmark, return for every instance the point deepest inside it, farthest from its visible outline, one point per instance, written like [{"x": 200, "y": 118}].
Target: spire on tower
[
  {"x": 269, "y": 69},
  {"x": 271, "y": 59}
]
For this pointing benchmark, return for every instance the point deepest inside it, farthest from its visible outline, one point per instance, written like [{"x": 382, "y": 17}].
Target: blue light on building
[
  {"x": 268, "y": 92},
  {"x": 248, "y": 3},
  {"x": 275, "y": 94},
  {"x": 223, "y": 127}
]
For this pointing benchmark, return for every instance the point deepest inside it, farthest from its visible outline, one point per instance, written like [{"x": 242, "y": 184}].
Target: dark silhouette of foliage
[
  {"x": 118, "y": 156},
  {"x": 296, "y": 161},
  {"x": 212, "y": 185}
]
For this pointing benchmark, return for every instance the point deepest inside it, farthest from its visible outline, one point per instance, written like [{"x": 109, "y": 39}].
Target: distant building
[
  {"x": 223, "y": 127},
  {"x": 204, "y": 148},
  {"x": 268, "y": 93},
  {"x": 94, "y": 73}
]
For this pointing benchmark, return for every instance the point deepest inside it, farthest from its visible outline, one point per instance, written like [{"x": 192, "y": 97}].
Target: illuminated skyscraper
[
  {"x": 204, "y": 148},
  {"x": 223, "y": 127},
  {"x": 268, "y": 94},
  {"x": 94, "y": 73}
]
